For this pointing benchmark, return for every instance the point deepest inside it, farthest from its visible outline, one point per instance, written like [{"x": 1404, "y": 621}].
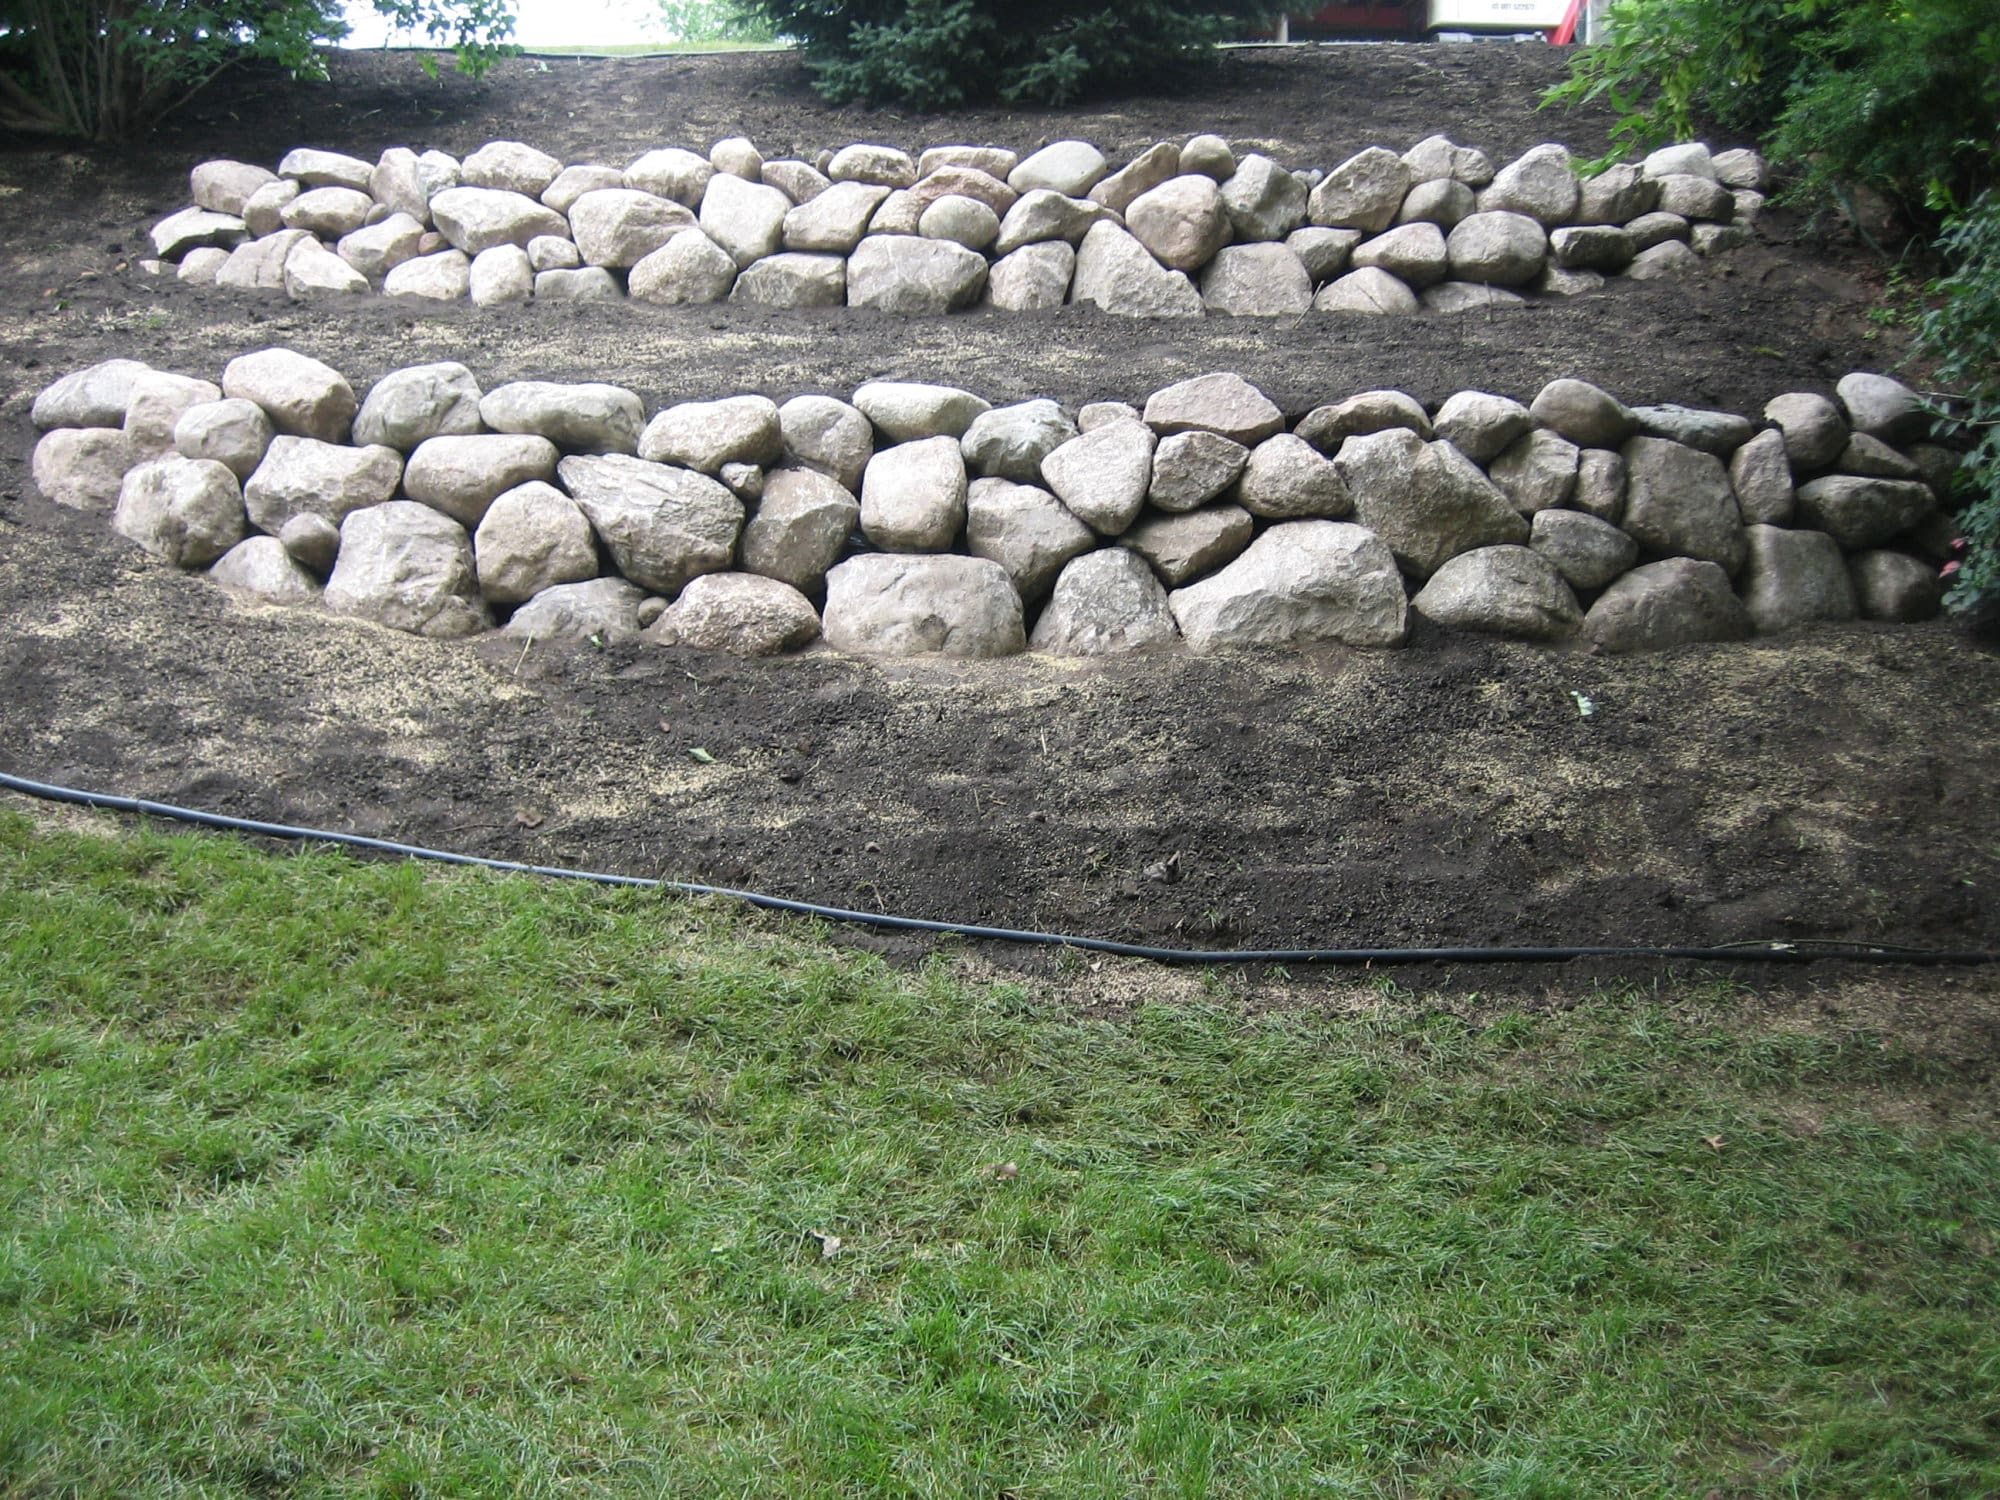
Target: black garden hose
[{"x": 1773, "y": 951}]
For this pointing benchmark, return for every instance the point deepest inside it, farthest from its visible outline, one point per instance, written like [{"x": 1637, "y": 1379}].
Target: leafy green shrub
[
  {"x": 940, "y": 54},
  {"x": 105, "y": 69},
  {"x": 1900, "y": 98},
  {"x": 1963, "y": 333},
  {"x": 715, "y": 21}
]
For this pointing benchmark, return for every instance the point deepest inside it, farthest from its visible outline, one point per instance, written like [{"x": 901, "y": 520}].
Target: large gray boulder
[
  {"x": 1510, "y": 591},
  {"x": 1010, "y": 442},
  {"x": 1881, "y": 406},
  {"x": 587, "y": 417},
  {"x": 1120, "y": 275},
  {"x": 1675, "y": 602},
  {"x": 1256, "y": 281},
  {"x": 1041, "y": 216},
  {"x": 1223, "y": 403},
  {"x": 910, "y": 274},
  {"x": 192, "y": 229},
  {"x": 1497, "y": 248},
  {"x": 1678, "y": 503},
  {"x": 188, "y": 511},
  {"x": 405, "y": 182},
  {"x": 473, "y": 219},
  {"x": 312, "y": 272},
  {"x": 1371, "y": 291},
  {"x": 421, "y": 401},
  {"x": 1026, "y": 530},
  {"x": 1413, "y": 253},
  {"x": 1600, "y": 485},
  {"x": 603, "y": 609},
  {"x": 1860, "y": 512},
  {"x": 743, "y": 614},
  {"x": 882, "y": 604},
  {"x": 1286, "y": 478},
  {"x": 913, "y": 496},
  {"x": 1105, "y": 602},
  {"x": 1158, "y": 163},
  {"x": 1894, "y": 586},
  {"x": 96, "y": 397},
  {"x": 571, "y": 183},
  {"x": 445, "y": 276},
  {"x": 1537, "y": 471},
  {"x": 374, "y": 250},
  {"x": 802, "y": 524},
  {"x": 1589, "y": 553},
  {"x": 793, "y": 280},
  {"x": 233, "y": 432},
  {"x": 705, "y": 435},
  {"x": 826, "y": 434},
  {"x": 1795, "y": 578},
  {"x": 1181, "y": 222},
  {"x": 1264, "y": 201},
  {"x": 501, "y": 277},
  {"x": 1440, "y": 201},
  {"x": 462, "y": 475},
  {"x": 328, "y": 212},
  {"x": 511, "y": 165},
  {"x": 224, "y": 187},
  {"x": 1541, "y": 184},
  {"x": 1480, "y": 425},
  {"x": 1435, "y": 156},
  {"x": 260, "y": 567},
  {"x": 671, "y": 172},
  {"x": 1583, "y": 413},
  {"x": 965, "y": 222},
  {"x": 1300, "y": 582},
  {"x": 1617, "y": 195},
  {"x": 834, "y": 221},
  {"x": 259, "y": 265},
  {"x": 313, "y": 168},
  {"x": 903, "y": 410},
  {"x": 159, "y": 400},
  {"x": 882, "y": 166},
  {"x": 300, "y": 395},
  {"x": 1362, "y": 193},
  {"x": 1426, "y": 501},
  {"x": 1182, "y": 548},
  {"x": 1071, "y": 168},
  {"x": 327, "y": 479},
  {"x": 1815, "y": 433},
  {"x": 1761, "y": 475},
  {"x": 619, "y": 227},
  {"x": 532, "y": 538},
  {"x": 1033, "y": 278},
  {"x": 1192, "y": 468},
  {"x": 82, "y": 467},
  {"x": 747, "y": 219},
  {"x": 1591, "y": 247},
  {"x": 689, "y": 268},
  {"x": 1718, "y": 432},
  {"x": 662, "y": 525},
  {"x": 1103, "y": 475}
]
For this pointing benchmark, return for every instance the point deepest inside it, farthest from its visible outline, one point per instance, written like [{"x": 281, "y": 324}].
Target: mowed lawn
[{"x": 328, "y": 1178}]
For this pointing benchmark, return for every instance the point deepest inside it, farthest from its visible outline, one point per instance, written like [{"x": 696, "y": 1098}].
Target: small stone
[
  {"x": 156, "y": 405},
  {"x": 260, "y": 567},
  {"x": 1881, "y": 407},
  {"x": 329, "y": 212},
  {"x": 1537, "y": 472},
  {"x": 888, "y": 605},
  {"x": 549, "y": 252},
  {"x": 312, "y": 541},
  {"x": 233, "y": 432},
  {"x": 1435, "y": 156},
  {"x": 1588, "y": 552},
  {"x": 745, "y": 481},
  {"x": 1040, "y": 216},
  {"x": 1600, "y": 485},
  {"x": 1441, "y": 201},
  {"x": 315, "y": 169},
  {"x": 1105, "y": 602},
  {"x": 1686, "y": 158},
  {"x": 1011, "y": 441},
  {"x": 1095, "y": 414},
  {"x": 899, "y": 213},
  {"x": 1370, "y": 411},
  {"x": 1146, "y": 171},
  {"x": 224, "y": 187},
  {"x": 1815, "y": 433},
  {"x": 377, "y": 249},
  {"x": 264, "y": 213},
  {"x": 797, "y": 180},
  {"x": 501, "y": 277},
  {"x": 1497, "y": 249},
  {"x": 825, "y": 434},
  {"x": 738, "y": 156},
  {"x": 1286, "y": 478},
  {"x": 1264, "y": 202},
  {"x": 473, "y": 219},
  {"x": 1209, "y": 155},
  {"x": 1695, "y": 197},
  {"x": 1718, "y": 432},
  {"x": 1863, "y": 513},
  {"x": 571, "y": 183},
  {"x": 1591, "y": 247},
  {"x": 1862, "y": 455},
  {"x": 1192, "y": 468},
  {"x": 200, "y": 265},
  {"x": 193, "y": 229},
  {"x": 1223, "y": 403},
  {"x": 1650, "y": 230},
  {"x": 995, "y": 161},
  {"x": 1182, "y": 548},
  {"x": 1450, "y": 297},
  {"x": 1557, "y": 282},
  {"x": 1541, "y": 183},
  {"x": 689, "y": 268},
  {"x": 1413, "y": 253},
  {"x": 963, "y": 221},
  {"x": 1370, "y": 291},
  {"x": 705, "y": 435},
  {"x": 1323, "y": 252},
  {"x": 443, "y": 277},
  {"x": 801, "y": 526},
  {"x": 1509, "y": 591},
  {"x": 913, "y": 496},
  {"x": 1300, "y": 582},
  {"x": 671, "y": 172},
  {"x": 299, "y": 394},
  {"x": 96, "y": 397},
  {"x": 584, "y": 418},
  {"x": 462, "y": 476},
  {"x": 1674, "y": 602},
  {"x": 742, "y": 614},
  {"x": 1668, "y": 258},
  {"x": 532, "y": 537},
  {"x": 1715, "y": 239},
  {"x": 1103, "y": 475},
  {"x": 312, "y": 271},
  {"x": 1033, "y": 278},
  {"x": 187, "y": 511},
  {"x": 82, "y": 467}
]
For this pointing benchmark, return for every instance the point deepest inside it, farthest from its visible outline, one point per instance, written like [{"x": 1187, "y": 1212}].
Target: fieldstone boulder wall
[{"x": 918, "y": 518}]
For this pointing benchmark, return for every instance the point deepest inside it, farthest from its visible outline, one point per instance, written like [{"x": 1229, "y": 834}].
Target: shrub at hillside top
[
  {"x": 105, "y": 69},
  {"x": 938, "y": 54},
  {"x": 1962, "y": 332}
]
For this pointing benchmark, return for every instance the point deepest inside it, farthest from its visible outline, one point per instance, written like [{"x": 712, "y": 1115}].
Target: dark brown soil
[{"x": 1835, "y": 786}]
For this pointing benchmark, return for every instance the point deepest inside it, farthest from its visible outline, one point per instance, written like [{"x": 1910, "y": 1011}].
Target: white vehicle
[{"x": 1496, "y": 15}]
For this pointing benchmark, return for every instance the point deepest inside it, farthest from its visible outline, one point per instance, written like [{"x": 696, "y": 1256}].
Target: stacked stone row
[
  {"x": 1179, "y": 230},
  {"x": 920, "y": 518}
]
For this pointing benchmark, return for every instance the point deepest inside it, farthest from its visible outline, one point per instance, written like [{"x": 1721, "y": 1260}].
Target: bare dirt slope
[{"x": 1839, "y": 786}]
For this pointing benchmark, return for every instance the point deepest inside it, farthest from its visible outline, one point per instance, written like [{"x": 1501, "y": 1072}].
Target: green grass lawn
[{"x": 329, "y": 1178}]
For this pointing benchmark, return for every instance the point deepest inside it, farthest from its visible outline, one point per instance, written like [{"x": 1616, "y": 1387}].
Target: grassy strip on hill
[{"x": 325, "y": 1178}]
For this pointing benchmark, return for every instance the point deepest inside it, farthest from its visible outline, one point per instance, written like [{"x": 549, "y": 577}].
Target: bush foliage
[
  {"x": 940, "y": 54},
  {"x": 106, "y": 69}
]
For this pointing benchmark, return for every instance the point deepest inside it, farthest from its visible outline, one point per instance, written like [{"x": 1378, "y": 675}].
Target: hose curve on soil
[{"x": 1803, "y": 950}]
